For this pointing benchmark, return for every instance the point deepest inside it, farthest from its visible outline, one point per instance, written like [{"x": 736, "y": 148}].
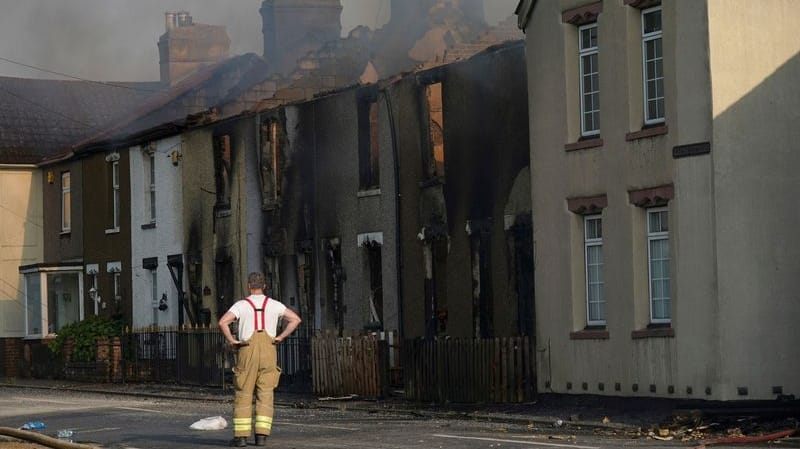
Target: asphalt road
[{"x": 125, "y": 422}]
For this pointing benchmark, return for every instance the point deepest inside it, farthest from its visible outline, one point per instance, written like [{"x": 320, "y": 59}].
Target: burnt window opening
[
  {"x": 482, "y": 302},
  {"x": 223, "y": 272},
  {"x": 222, "y": 171},
  {"x": 272, "y": 275},
  {"x": 271, "y": 162},
  {"x": 435, "y": 254},
  {"x": 368, "y": 145},
  {"x": 434, "y": 159},
  {"x": 334, "y": 281},
  {"x": 521, "y": 243},
  {"x": 305, "y": 273},
  {"x": 374, "y": 274}
]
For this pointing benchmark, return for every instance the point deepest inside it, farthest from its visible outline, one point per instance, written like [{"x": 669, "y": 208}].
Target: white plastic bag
[{"x": 210, "y": 423}]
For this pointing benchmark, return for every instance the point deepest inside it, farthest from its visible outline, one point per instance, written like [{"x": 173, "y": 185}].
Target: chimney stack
[
  {"x": 187, "y": 46},
  {"x": 293, "y": 27}
]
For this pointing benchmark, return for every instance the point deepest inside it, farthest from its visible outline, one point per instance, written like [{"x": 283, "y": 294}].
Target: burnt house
[
  {"x": 464, "y": 189},
  {"x": 376, "y": 211}
]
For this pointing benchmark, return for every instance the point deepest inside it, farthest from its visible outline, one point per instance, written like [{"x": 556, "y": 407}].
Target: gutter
[{"x": 18, "y": 166}]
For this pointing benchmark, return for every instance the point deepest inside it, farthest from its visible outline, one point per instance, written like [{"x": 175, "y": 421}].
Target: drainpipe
[{"x": 398, "y": 197}]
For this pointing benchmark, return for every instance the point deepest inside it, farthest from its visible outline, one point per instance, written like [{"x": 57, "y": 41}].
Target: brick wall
[{"x": 10, "y": 349}]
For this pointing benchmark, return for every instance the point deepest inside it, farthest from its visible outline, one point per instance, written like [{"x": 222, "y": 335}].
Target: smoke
[{"x": 115, "y": 40}]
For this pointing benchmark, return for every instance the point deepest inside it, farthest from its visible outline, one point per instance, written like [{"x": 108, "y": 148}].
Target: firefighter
[{"x": 256, "y": 368}]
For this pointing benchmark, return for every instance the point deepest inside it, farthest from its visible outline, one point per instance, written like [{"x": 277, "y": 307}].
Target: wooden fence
[
  {"x": 491, "y": 370},
  {"x": 350, "y": 365}
]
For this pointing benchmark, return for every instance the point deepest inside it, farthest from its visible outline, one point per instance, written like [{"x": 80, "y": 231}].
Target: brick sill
[
  {"x": 652, "y": 131},
  {"x": 656, "y": 332},
  {"x": 584, "y": 144},
  {"x": 585, "y": 334}
]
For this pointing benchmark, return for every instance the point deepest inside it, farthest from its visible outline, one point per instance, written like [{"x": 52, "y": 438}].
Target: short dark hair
[{"x": 256, "y": 280}]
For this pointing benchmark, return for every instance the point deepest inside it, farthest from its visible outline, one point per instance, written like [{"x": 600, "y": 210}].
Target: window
[
  {"x": 117, "y": 287},
  {"x": 222, "y": 170},
  {"x": 590, "y": 80},
  {"x": 150, "y": 183},
  {"x": 53, "y": 300},
  {"x": 66, "y": 202},
  {"x": 368, "y": 145},
  {"x": 63, "y": 302},
  {"x": 593, "y": 250},
  {"x": 435, "y": 158},
  {"x": 653, "y": 66},
  {"x": 33, "y": 304},
  {"x": 115, "y": 194},
  {"x": 658, "y": 264},
  {"x": 371, "y": 244}
]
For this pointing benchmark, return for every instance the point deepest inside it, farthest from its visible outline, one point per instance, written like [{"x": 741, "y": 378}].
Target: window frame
[
  {"x": 115, "y": 194},
  {"x": 646, "y": 38},
  {"x": 588, "y": 243},
  {"x": 66, "y": 202},
  {"x": 582, "y": 54},
  {"x": 651, "y": 237},
  {"x": 151, "y": 158}
]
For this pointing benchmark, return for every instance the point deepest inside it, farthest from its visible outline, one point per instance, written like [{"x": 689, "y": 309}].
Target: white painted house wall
[{"x": 157, "y": 238}]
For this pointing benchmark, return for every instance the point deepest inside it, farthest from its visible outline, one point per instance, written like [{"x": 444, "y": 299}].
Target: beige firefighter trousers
[{"x": 256, "y": 373}]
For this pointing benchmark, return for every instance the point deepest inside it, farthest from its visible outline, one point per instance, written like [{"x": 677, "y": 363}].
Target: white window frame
[
  {"x": 588, "y": 243},
  {"x": 647, "y": 38},
  {"x": 584, "y": 53},
  {"x": 115, "y": 192},
  {"x": 651, "y": 237},
  {"x": 44, "y": 293},
  {"x": 152, "y": 184},
  {"x": 66, "y": 202}
]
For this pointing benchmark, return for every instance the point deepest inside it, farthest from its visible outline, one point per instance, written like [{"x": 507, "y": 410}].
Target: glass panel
[
  {"x": 33, "y": 310},
  {"x": 63, "y": 302},
  {"x": 585, "y": 39},
  {"x": 652, "y": 21},
  {"x": 658, "y": 50},
  {"x": 67, "y": 210}
]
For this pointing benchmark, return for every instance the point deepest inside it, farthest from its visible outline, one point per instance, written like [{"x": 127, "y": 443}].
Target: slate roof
[
  {"x": 207, "y": 87},
  {"x": 39, "y": 118}
]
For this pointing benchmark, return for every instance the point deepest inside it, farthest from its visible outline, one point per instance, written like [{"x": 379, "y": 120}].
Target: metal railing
[{"x": 200, "y": 356}]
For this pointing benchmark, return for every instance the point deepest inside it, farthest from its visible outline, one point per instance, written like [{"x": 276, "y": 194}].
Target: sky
[{"x": 115, "y": 40}]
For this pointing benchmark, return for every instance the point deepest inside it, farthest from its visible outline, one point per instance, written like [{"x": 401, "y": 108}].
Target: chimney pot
[
  {"x": 184, "y": 19},
  {"x": 170, "y": 20}
]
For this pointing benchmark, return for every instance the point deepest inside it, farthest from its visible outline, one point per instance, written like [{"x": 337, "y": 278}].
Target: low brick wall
[{"x": 10, "y": 351}]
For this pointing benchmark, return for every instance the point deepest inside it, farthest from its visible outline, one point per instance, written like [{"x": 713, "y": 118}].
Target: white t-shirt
[{"x": 246, "y": 315}]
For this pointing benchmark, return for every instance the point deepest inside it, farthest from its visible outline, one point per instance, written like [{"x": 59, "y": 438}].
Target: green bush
[{"x": 84, "y": 336}]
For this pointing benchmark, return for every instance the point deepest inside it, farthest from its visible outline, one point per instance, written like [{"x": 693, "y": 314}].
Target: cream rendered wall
[
  {"x": 689, "y": 359},
  {"x": 21, "y": 222},
  {"x": 162, "y": 240},
  {"x": 755, "y": 66}
]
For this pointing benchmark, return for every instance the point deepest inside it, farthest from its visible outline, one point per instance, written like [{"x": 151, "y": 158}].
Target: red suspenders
[{"x": 258, "y": 328}]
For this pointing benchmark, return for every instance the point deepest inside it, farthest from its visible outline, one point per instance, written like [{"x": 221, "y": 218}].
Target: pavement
[{"x": 631, "y": 417}]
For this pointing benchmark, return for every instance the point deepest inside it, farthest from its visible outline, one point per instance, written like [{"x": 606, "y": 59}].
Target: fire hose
[{"x": 44, "y": 440}]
